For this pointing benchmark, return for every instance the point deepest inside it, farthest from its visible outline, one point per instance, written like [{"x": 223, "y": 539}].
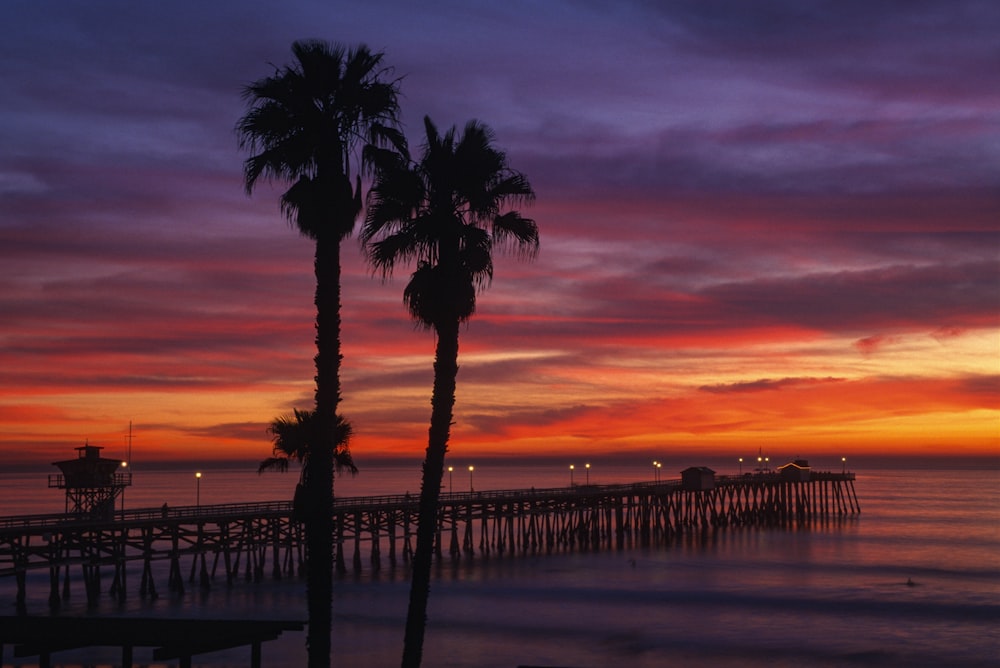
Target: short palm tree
[
  {"x": 292, "y": 434},
  {"x": 311, "y": 124},
  {"x": 446, "y": 213}
]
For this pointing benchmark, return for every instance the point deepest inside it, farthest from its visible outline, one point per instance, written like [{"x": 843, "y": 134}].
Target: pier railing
[{"x": 234, "y": 510}]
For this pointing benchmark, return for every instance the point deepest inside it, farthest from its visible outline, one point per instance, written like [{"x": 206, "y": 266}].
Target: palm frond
[
  {"x": 514, "y": 233},
  {"x": 279, "y": 464},
  {"x": 387, "y": 252}
]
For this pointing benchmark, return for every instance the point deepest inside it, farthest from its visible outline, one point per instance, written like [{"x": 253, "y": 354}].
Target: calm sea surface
[{"x": 833, "y": 595}]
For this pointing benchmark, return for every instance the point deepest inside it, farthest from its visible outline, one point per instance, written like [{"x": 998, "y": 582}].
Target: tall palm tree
[
  {"x": 311, "y": 124},
  {"x": 446, "y": 213}
]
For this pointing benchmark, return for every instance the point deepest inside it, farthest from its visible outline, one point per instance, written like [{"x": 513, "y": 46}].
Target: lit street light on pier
[
  {"x": 197, "y": 497},
  {"x": 587, "y": 466},
  {"x": 571, "y": 467},
  {"x": 451, "y": 469},
  {"x": 124, "y": 466},
  {"x": 741, "y": 466},
  {"x": 843, "y": 464},
  {"x": 471, "y": 469}
]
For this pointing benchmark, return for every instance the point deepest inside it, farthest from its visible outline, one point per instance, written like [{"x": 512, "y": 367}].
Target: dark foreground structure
[
  {"x": 179, "y": 639},
  {"x": 202, "y": 546}
]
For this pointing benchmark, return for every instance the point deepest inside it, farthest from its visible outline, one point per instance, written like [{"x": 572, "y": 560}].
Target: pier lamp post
[
  {"x": 124, "y": 466},
  {"x": 197, "y": 497},
  {"x": 451, "y": 469},
  {"x": 843, "y": 464},
  {"x": 571, "y": 467},
  {"x": 471, "y": 469},
  {"x": 655, "y": 464},
  {"x": 587, "y": 466},
  {"x": 741, "y": 466}
]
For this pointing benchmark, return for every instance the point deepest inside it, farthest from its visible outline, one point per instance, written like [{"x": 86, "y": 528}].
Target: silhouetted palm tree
[
  {"x": 312, "y": 123},
  {"x": 447, "y": 212},
  {"x": 292, "y": 435}
]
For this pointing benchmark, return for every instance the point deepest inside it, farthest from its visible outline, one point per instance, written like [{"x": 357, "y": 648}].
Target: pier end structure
[{"x": 93, "y": 483}]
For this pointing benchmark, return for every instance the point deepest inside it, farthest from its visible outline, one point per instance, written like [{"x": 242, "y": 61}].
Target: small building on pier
[
  {"x": 92, "y": 483},
  {"x": 796, "y": 471},
  {"x": 698, "y": 478}
]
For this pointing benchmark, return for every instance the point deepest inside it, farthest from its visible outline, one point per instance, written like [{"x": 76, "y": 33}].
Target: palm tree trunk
[
  {"x": 319, "y": 528},
  {"x": 442, "y": 408}
]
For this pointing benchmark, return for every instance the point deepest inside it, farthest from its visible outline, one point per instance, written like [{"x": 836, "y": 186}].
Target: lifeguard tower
[{"x": 93, "y": 483}]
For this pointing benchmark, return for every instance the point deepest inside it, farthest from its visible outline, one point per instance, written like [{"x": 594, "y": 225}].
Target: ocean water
[{"x": 836, "y": 594}]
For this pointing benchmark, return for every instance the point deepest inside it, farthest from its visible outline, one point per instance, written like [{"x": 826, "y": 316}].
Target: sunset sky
[{"x": 763, "y": 225}]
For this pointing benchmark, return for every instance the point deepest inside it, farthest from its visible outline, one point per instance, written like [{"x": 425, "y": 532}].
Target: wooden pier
[{"x": 199, "y": 546}]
